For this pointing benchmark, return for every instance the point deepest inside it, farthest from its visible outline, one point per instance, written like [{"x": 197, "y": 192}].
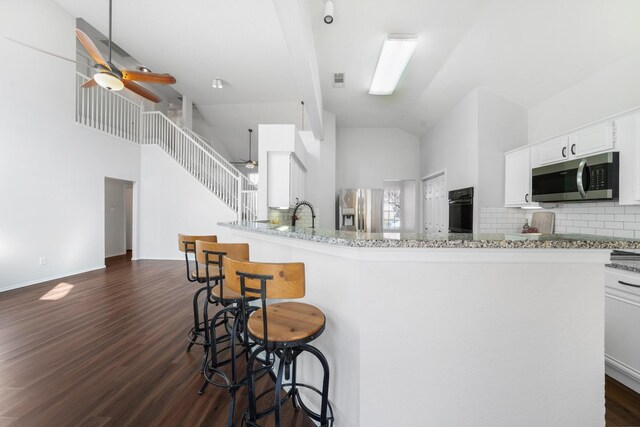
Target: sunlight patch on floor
[{"x": 59, "y": 291}]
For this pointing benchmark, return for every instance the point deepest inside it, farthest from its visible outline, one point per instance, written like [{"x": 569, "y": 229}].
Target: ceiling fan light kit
[
  {"x": 396, "y": 52},
  {"x": 108, "y": 81},
  {"x": 248, "y": 164}
]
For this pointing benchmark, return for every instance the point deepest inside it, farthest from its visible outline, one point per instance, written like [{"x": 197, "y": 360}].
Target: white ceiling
[
  {"x": 522, "y": 49},
  {"x": 353, "y": 42}
]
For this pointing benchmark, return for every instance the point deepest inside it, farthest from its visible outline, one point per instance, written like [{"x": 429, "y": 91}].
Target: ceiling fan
[
  {"x": 108, "y": 75},
  {"x": 249, "y": 164}
]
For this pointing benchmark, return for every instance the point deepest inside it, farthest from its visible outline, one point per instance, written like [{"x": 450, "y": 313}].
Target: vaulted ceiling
[{"x": 524, "y": 50}]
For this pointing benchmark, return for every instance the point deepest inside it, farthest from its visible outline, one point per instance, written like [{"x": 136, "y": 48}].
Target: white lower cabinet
[{"x": 622, "y": 323}]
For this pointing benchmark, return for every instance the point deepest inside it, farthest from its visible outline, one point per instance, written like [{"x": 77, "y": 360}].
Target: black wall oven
[
  {"x": 589, "y": 178},
  {"x": 461, "y": 210}
]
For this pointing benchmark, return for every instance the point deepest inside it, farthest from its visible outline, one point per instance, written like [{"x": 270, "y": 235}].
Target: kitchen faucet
[{"x": 295, "y": 209}]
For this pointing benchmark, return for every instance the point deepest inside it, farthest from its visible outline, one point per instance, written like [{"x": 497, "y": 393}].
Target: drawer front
[{"x": 623, "y": 283}]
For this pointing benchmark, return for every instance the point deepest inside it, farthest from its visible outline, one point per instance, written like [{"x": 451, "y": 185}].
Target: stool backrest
[
  {"x": 217, "y": 251},
  {"x": 264, "y": 280},
  {"x": 187, "y": 243}
]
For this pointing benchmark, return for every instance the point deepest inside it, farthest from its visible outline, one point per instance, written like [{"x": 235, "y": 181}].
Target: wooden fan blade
[
  {"x": 45, "y": 52},
  {"x": 91, "y": 48},
  {"x": 141, "y": 91},
  {"x": 140, "y": 76},
  {"x": 89, "y": 83}
]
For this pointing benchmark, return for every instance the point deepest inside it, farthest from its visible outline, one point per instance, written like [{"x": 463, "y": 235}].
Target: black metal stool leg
[
  {"x": 196, "y": 331},
  {"x": 278, "y": 389},
  {"x": 325, "y": 383},
  {"x": 251, "y": 385}
]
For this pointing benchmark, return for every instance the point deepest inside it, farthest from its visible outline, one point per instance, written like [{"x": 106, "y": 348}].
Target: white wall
[
  {"x": 202, "y": 128},
  {"x": 51, "y": 170},
  {"x": 114, "y": 217},
  {"x": 365, "y": 157},
  {"x": 502, "y": 126},
  {"x": 172, "y": 201},
  {"x": 452, "y": 145},
  {"x": 609, "y": 91},
  {"x": 469, "y": 143},
  {"x": 321, "y": 172}
]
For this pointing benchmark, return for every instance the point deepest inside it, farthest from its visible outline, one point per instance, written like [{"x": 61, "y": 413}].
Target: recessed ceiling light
[{"x": 397, "y": 49}]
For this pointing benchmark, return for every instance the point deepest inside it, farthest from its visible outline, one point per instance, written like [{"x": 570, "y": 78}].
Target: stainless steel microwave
[{"x": 588, "y": 178}]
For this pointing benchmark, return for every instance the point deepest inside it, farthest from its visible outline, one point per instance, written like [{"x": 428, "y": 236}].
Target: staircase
[{"x": 112, "y": 113}]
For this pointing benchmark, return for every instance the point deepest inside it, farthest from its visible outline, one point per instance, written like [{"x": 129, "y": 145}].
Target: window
[{"x": 391, "y": 209}]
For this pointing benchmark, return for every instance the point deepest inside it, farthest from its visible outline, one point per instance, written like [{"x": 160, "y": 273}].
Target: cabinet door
[
  {"x": 628, "y": 143},
  {"x": 554, "y": 150},
  {"x": 593, "y": 139},
  {"x": 278, "y": 179},
  {"x": 622, "y": 315},
  {"x": 517, "y": 180}
]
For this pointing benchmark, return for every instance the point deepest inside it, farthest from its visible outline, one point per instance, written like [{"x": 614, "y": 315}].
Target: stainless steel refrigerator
[{"x": 360, "y": 209}]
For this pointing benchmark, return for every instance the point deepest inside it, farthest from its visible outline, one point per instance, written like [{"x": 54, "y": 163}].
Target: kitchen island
[{"x": 452, "y": 330}]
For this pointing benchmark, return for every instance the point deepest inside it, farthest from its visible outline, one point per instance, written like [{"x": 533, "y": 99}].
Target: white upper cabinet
[
  {"x": 594, "y": 139},
  {"x": 590, "y": 140},
  {"x": 286, "y": 179},
  {"x": 554, "y": 150},
  {"x": 628, "y": 143},
  {"x": 517, "y": 178}
]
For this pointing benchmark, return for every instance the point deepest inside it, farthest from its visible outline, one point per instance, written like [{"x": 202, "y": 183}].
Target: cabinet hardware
[
  {"x": 573, "y": 149},
  {"x": 564, "y": 151},
  {"x": 526, "y": 197},
  {"x": 628, "y": 284}
]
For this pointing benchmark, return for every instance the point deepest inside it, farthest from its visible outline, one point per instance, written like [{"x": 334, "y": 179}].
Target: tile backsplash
[
  {"x": 283, "y": 217},
  {"x": 599, "y": 218}
]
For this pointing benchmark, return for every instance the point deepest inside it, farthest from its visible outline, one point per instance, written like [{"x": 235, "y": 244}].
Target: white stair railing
[
  {"x": 223, "y": 182},
  {"x": 116, "y": 115},
  {"x": 107, "y": 111}
]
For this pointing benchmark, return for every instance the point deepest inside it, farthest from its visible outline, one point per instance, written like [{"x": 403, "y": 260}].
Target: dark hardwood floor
[
  {"x": 107, "y": 348},
  {"x": 623, "y": 404}
]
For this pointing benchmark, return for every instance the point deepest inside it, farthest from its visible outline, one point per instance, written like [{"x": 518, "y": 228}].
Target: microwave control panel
[{"x": 599, "y": 177}]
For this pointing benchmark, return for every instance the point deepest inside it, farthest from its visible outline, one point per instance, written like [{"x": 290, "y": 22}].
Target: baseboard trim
[
  {"x": 622, "y": 372},
  {"x": 47, "y": 279}
]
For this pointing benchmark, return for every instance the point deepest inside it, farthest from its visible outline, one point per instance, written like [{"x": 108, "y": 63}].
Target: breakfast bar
[{"x": 479, "y": 330}]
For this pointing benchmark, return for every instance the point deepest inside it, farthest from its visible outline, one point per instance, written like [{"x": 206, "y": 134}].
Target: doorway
[
  {"x": 118, "y": 220},
  {"x": 435, "y": 203}
]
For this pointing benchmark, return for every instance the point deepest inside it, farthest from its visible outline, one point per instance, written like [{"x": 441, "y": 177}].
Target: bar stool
[
  {"x": 281, "y": 329},
  {"x": 211, "y": 257},
  {"x": 187, "y": 244}
]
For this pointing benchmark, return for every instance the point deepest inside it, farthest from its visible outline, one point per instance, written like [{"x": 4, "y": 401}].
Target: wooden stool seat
[{"x": 288, "y": 322}]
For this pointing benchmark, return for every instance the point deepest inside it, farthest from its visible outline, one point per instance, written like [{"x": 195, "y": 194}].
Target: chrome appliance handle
[{"x": 583, "y": 164}]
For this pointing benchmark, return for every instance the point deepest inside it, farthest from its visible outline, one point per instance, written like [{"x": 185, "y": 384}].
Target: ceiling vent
[
  {"x": 117, "y": 49},
  {"x": 338, "y": 80}
]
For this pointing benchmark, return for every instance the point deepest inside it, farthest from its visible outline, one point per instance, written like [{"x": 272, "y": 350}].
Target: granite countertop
[
  {"x": 627, "y": 260},
  {"x": 423, "y": 240}
]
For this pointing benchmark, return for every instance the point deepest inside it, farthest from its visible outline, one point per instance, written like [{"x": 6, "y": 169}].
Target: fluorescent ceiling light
[{"x": 396, "y": 52}]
